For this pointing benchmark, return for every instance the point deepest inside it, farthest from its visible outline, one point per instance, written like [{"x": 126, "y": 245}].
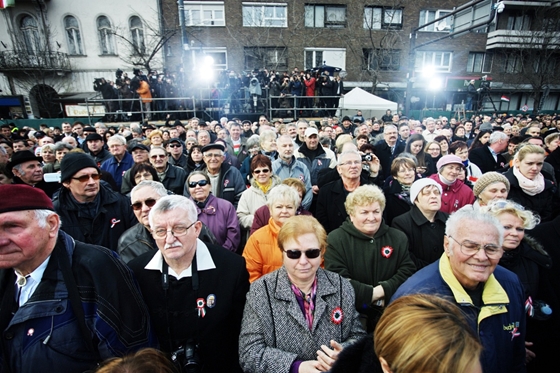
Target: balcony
[
  {"x": 18, "y": 61},
  {"x": 515, "y": 39}
]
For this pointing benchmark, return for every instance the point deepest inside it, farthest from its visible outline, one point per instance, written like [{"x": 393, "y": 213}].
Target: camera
[
  {"x": 367, "y": 157},
  {"x": 186, "y": 358}
]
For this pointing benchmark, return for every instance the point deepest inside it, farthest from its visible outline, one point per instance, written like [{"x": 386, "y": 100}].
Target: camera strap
[{"x": 165, "y": 275}]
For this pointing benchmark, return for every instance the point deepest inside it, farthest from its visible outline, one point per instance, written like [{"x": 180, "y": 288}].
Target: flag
[
  {"x": 6, "y": 3},
  {"x": 505, "y": 98}
]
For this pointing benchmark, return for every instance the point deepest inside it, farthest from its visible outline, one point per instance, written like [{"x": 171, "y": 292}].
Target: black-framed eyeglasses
[
  {"x": 296, "y": 254},
  {"x": 85, "y": 178},
  {"x": 150, "y": 202},
  {"x": 265, "y": 171},
  {"x": 201, "y": 183},
  {"x": 470, "y": 248},
  {"x": 176, "y": 231}
]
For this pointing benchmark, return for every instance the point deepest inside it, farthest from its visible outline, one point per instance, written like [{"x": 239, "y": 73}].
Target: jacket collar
[
  {"x": 419, "y": 219},
  {"x": 493, "y": 293},
  {"x": 283, "y": 291}
]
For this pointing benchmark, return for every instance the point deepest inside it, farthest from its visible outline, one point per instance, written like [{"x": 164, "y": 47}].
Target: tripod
[{"x": 484, "y": 98}]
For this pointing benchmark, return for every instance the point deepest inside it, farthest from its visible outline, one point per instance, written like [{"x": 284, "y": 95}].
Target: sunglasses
[
  {"x": 296, "y": 254},
  {"x": 150, "y": 202},
  {"x": 155, "y": 156},
  {"x": 85, "y": 178},
  {"x": 201, "y": 183},
  {"x": 265, "y": 171},
  {"x": 175, "y": 145}
]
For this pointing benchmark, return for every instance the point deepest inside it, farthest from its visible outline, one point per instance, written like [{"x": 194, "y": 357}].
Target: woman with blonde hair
[
  {"x": 417, "y": 333},
  {"x": 528, "y": 186}
]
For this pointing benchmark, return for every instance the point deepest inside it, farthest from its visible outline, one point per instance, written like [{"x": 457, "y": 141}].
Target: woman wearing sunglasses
[
  {"x": 216, "y": 213},
  {"x": 299, "y": 317},
  {"x": 367, "y": 251},
  {"x": 262, "y": 181}
]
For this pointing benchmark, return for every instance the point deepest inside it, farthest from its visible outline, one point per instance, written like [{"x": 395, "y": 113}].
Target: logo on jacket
[
  {"x": 386, "y": 251},
  {"x": 114, "y": 222},
  {"x": 319, "y": 163}
]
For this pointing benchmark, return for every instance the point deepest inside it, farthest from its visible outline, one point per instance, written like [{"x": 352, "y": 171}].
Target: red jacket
[
  {"x": 310, "y": 87},
  {"x": 454, "y": 196}
]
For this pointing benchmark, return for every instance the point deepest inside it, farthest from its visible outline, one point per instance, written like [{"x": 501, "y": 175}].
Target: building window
[
  {"x": 382, "y": 59},
  {"x": 382, "y": 18},
  {"x": 137, "y": 34},
  {"x": 331, "y": 16},
  {"x": 204, "y": 13},
  {"x": 73, "y": 36},
  {"x": 479, "y": 62},
  {"x": 218, "y": 58},
  {"x": 330, "y": 56},
  {"x": 519, "y": 22},
  {"x": 265, "y": 15},
  {"x": 427, "y": 16},
  {"x": 30, "y": 32},
  {"x": 105, "y": 33},
  {"x": 436, "y": 61},
  {"x": 272, "y": 58},
  {"x": 512, "y": 64}
]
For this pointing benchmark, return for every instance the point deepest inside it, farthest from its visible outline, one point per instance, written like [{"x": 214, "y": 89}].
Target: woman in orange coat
[{"x": 146, "y": 96}]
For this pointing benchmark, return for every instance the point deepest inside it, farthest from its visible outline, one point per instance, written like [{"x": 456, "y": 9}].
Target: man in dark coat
[
  {"x": 488, "y": 157},
  {"x": 27, "y": 169},
  {"x": 90, "y": 210},
  {"x": 388, "y": 149},
  {"x": 195, "y": 292},
  {"x": 172, "y": 177},
  {"x": 65, "y": 305}
]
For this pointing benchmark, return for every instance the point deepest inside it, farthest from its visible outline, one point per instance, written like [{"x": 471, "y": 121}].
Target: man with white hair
[
  {"x": 198, "y": 288},
  {"x": 489, "y": 295},
  {"x": 430, "y": 133},
  {"x": 388, "y": 149},
  {"x": 489, "y": 157},
  {"x": 121, "y": 160}
]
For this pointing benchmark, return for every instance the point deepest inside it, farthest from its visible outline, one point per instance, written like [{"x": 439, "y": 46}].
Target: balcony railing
[
  {"x": 46, "y": 61},
  {"x": 514, "y": 39}
]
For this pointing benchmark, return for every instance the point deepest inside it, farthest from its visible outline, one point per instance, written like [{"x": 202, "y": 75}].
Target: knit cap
[{"x": 488, "y": 179}]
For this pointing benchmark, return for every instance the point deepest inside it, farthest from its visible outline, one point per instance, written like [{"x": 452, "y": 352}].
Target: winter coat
[
  {"x": 309, "y": 87},
  {"x": 542, "y": 203},
  {"x": 117, "y": 169},
  {"x": 425, "y": 238},
  {"x": 369, "y": 261},
  {"x": 230, "y": 184},
  {"x": 397, "y": 203},
  {"x": 298, "y": 170},
  {"x": 44, "y": 333},
  {"x": 454, "y": 196},
  {"x": 251, "y": 200},
  {"x": 144, "y": 92},
  {"x": 114, "y": 216},
  {"x": 500, "y": 322},
  {"x": 274, "y": 332},
  {"x": 175, "y": 178},
  {"x": 262, "y": 254},
  {"x": 220, "y": 217},
  {"x": 325, "y": 159}
]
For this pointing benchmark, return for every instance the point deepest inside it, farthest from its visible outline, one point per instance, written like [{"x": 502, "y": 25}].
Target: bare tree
[
  {"x": 143, "y": 41},
  {"x": 532, "y": 50}
]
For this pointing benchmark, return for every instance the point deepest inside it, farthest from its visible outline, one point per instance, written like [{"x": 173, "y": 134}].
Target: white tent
[{"x": 369, "y": 104}]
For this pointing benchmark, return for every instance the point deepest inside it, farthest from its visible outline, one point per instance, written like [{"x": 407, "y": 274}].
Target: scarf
[
  {"x": 530, "y": 187},
  {"x": 264, "y": 187},
  {"x": 307, "y": 302},
  {"x": 445, "y": 181}
]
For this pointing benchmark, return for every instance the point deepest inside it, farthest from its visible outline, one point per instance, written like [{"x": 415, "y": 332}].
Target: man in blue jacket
[
  {"x": 121, "y": 160},
  {"x": 490, "y": 296}
]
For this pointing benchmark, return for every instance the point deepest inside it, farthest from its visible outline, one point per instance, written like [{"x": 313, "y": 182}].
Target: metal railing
[{"x": 22, "y": 60}]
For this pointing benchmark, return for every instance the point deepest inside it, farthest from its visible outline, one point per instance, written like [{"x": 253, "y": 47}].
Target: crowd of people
[
  {"x": 288, "y": 94},
  {"x": 359, "y": 244}
]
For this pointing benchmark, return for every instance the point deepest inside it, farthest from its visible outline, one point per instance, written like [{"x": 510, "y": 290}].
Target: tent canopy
[{"x": 358, "y": 99}]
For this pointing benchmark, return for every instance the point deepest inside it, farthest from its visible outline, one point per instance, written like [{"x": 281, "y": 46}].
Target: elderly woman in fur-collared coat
[{"x": 299, "y": 317}]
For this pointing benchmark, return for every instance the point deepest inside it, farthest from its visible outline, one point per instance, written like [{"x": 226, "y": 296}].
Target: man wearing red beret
[{"x": 64, "y": 305}]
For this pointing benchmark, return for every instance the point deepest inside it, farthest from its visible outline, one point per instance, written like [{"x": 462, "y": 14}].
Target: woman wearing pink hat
[{"x": 455, "y": 194}]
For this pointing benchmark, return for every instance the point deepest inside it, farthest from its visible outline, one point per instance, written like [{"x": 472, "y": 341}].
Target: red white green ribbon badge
[
  {"x": 200, "y": 303},
  {"x": 337, "y": 316},
  {"x": 386, "y": 251}
]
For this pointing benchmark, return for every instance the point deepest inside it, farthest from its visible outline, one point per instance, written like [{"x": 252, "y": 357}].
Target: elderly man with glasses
[
  {"x": 489, "y": 295},
  {"x": 172, "y": 177},
  {"x": 89, "y": 209},
  {"x": 195, "y": 292}
]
